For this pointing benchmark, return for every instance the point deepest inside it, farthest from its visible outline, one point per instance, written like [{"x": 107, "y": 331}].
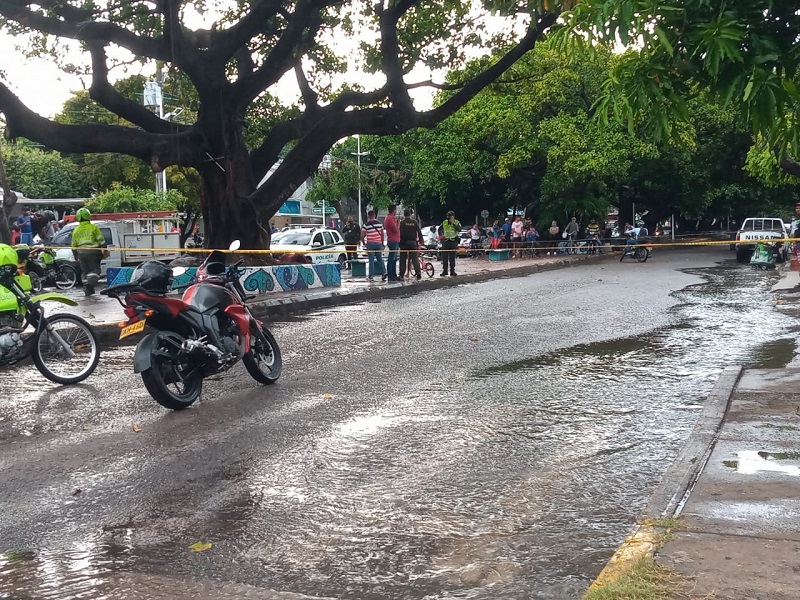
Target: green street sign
[{"x": 317, "y": 210}]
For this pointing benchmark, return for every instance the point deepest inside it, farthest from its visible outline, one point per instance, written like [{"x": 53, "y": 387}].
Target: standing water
[{"x": 517, "y": 480}]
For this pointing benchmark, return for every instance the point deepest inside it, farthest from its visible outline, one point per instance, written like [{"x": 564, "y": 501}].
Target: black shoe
[
  {"x": 88, "y": 290},
  {"x": 419, "y": 276},
  {"x": 384, "y": 278},
  {"x": 444, "y": 274},
  {"x": 454, "y": 274}
]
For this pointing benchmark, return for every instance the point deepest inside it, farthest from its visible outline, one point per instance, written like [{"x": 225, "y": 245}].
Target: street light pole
[{"x": 359, "y": 154}]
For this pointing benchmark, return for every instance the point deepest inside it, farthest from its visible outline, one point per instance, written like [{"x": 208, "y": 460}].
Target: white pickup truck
[
  {"x": 761, "y": 228},
  {"x": 127, "y": 242}
]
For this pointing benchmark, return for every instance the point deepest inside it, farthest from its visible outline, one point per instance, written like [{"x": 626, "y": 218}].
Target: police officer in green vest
[
  {"x": 451, "y": 228},
  {"x": 88, "y": 235}
]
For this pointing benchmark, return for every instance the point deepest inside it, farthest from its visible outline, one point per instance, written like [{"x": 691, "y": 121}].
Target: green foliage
[
  {"x": 42, "y": 174},
  {"x": 340, "y": 181},
  {"x": 743, "y": 52},
  {"x": 121, "y": 198}
]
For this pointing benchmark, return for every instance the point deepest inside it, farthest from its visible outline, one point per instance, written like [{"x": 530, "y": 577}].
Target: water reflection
[{"x": 750, "y": 462}]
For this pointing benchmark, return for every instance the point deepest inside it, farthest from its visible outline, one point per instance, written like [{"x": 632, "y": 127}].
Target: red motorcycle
[{"x": 205, "y": 332}]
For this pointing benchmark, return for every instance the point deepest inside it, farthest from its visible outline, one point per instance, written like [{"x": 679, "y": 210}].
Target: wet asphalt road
[{"x": 482, "y": 441}]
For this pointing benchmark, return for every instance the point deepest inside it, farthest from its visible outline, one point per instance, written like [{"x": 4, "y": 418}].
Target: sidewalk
[
  {"x": 104, "y": 313},
  {"x": 740, "y": 537}
]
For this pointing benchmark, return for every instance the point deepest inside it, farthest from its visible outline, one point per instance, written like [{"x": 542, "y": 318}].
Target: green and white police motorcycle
[{"x": 63, "y": 347}]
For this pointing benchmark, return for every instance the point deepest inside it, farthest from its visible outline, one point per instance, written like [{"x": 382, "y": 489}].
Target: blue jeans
[
  {"x": 391, "y": 260},
  {"x": 26, "y": 238},
  {"x": 375, "y": 255}
]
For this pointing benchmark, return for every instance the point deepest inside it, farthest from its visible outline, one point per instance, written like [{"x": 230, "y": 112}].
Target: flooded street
[{"x": 494, "y": 440}]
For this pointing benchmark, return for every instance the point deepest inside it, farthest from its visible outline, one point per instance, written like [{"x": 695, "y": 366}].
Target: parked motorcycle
[
  {"x": 52, "y": 271},
  {"x": 594, "y": 244},
  {"x": 64, "y": 347},
  {"x": 29, "y": 267},
  {"x": 207, "y": 331}
]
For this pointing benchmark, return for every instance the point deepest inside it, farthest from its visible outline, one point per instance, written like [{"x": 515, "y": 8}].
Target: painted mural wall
[{"x": 259, "y": 280}]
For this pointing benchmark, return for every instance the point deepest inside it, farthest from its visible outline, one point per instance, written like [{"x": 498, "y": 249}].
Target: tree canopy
[
  {"x": 742, "y": 51},
  {"x": 235, "y": 64}
]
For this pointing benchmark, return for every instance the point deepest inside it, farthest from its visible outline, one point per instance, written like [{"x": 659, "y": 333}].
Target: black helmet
[{"x": 153, "y": 276}]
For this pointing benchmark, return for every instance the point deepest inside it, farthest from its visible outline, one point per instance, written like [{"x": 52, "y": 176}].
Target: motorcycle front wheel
[
  {"x": 263, "y": 362},
  {"x": 172, "y": 380},
  {"x": 66, "y": 277},
  {"x": 36, "y": 282},
  {"x": 66, "y": 351},
  {"x": 642, "y": 254}
]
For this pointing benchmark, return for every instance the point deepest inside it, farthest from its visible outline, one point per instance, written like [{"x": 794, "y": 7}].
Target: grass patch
[{"x": 645, "y": 580}]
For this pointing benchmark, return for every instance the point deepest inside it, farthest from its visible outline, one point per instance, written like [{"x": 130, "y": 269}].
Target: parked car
[{"x": 322, "y": 244}]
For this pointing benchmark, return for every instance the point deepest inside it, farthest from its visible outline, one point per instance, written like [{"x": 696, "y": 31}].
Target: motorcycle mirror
[
  {"x": 235, "y": 245},
  {"x": 178, "y": 271}
]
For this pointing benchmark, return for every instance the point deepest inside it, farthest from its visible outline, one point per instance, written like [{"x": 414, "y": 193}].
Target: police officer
[
  {"x": 410, "y": 240},
  {"x": 451, "y": 228},
  {"x": 88, "y": 235}
]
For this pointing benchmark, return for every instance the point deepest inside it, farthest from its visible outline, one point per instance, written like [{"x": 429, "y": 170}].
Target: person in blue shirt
[
  {"x": 531, "y": 237},
  {"x": 25, "y": 222},
  {"x": 507, "y": 231}
]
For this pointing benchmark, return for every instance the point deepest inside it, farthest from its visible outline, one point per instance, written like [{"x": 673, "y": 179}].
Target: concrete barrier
[{"x": 259, "y": 280}]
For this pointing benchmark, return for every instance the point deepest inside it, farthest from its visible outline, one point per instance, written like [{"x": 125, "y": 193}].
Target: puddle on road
[
  {"x": 514, "y": 481},
  {"x": 750, "y": 462}
]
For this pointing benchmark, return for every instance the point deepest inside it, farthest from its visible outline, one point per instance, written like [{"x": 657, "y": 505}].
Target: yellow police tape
[{"x": 519, "y": 247}]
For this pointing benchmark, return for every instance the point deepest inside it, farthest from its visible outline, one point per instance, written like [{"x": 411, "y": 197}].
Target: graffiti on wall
[{"x": 279, "y": 278}]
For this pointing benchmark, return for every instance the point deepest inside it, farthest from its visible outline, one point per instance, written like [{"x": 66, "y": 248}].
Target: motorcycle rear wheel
[
  {"x": 51, "y": 357},
  {"x": 171, "y": 381},
  {"x": 642, "y": 254},
  {"x": 264, "y": 362},
  {"x": 66, "y": 277}
]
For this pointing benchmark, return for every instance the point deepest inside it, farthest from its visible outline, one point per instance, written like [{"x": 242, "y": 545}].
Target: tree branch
[
  {"x": 790, "y": 166},
  {"x": 158, "y": 150},
  {"x": 480, "y": 81},
  {"x": 74, "y": 27},
  {"x": 104, "y": 93},
  {"x": 305, "y": 22},
  {"x": 266, "y": 155},
  {"x": 390, "y": 54}
]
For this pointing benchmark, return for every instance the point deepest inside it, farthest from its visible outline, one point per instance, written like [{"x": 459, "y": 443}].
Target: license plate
[{"x": 132, "y": 329}]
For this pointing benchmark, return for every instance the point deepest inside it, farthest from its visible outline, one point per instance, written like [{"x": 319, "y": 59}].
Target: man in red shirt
[{"x": 392, "y": 228}]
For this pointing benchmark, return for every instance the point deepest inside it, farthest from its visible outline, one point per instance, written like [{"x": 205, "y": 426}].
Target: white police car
[{"x": 318, "y": 244}]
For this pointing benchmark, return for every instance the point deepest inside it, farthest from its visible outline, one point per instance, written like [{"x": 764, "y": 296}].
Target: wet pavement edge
[
  {"x": 303, "y": 302},
  {"x": 678, "y": 480}
]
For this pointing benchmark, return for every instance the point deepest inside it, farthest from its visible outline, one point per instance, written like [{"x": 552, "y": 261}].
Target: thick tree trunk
[
  {"x": 228, "y": 216},
  {"x": 226, "y": 182}
]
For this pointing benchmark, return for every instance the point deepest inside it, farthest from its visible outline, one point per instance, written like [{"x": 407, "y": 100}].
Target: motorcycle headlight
[{"x": 8, "y": 271}]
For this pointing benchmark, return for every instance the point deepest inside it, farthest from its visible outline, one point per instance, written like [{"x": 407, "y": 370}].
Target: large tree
[{"x": 244, "y": 54}]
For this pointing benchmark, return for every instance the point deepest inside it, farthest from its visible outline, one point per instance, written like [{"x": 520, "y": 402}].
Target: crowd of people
[
  {"x": 404, "y": 239},
  {"x": 41, "y": 224}
]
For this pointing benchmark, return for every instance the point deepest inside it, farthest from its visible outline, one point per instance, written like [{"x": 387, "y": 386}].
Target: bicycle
[{"x": 425, "y": 264}]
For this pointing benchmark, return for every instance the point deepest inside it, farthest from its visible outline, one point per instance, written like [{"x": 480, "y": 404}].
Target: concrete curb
[
  {"x": 676, "y": 485},
  {"x": 108, "y": 333},
  {"x": 672, "y": 492}
]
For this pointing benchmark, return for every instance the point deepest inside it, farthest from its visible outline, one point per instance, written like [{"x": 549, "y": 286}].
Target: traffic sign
[
  {"x": 485, "y": 214},
  {"x": 317, "y": 210}
]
